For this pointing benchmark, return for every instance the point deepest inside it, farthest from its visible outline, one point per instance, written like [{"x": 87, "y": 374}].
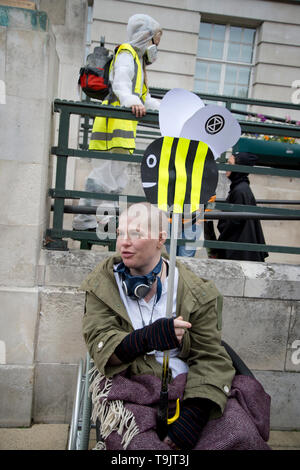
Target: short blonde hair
[{"x": 156, "y": 218}]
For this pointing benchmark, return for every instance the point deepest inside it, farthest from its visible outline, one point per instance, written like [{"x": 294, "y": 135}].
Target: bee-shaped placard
[{"x": 178, "y": 170}]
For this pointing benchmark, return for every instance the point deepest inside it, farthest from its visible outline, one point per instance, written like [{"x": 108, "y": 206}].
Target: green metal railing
[{"x": 57, "y": 235}]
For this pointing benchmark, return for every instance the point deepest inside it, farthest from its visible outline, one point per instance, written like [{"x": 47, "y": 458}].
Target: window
[{"x": 224, "y": 60}]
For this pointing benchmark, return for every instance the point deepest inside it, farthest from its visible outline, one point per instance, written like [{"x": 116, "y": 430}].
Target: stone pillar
[
  {"x": 277, "y": 64},
  {"x": 29, "y": 68}
]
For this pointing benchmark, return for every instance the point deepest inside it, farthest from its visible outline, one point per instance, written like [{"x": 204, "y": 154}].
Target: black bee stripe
[
  {"x": 149, "y": 169},
  {"x": 172, "y": 174},
  {"x": 189, "y": 169},
  {"x": 210, "y": 173}
]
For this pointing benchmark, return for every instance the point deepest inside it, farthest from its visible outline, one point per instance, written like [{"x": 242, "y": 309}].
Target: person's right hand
[
  {"x": 139, "y": 110},
  {"x": 179, "y": 326}
]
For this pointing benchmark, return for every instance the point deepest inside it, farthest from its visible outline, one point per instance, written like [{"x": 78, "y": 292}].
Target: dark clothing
[
  {"x": 240, "y": 230},
  {"x": 209, "y": 234}
]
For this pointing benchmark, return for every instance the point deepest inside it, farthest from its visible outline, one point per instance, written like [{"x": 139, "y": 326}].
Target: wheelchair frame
[{"x": 80, "y": 427}]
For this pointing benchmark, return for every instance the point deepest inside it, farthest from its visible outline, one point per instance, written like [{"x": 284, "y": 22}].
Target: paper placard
[
  {"x": 214, "y": 125},
  {"x": 176, "y": 107}
]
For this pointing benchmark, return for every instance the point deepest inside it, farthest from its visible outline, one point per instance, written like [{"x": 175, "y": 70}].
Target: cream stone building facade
[{"x": 259, "y": 35}]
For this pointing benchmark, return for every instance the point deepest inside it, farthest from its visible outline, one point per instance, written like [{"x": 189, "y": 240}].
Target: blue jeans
[{"x": 191, "y": 233}]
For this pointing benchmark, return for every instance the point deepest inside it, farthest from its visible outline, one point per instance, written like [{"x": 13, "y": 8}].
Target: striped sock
[
  {"x": 185, "y": 431},
  {"x": 159, "y": 336}
]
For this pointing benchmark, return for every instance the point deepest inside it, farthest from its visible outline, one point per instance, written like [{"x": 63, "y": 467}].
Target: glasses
[{"x": 131, "y": 235}]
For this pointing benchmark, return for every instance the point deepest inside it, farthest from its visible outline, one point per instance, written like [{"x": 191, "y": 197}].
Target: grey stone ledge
[
  {"x": 232, "y": 278},
  {"x": 274, "y": 281}
]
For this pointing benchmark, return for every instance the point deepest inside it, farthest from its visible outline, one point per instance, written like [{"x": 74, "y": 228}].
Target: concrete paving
[
  {"x": 284, "y": 440},
  {"x": 37, "y": 437},
  {"x": 55, "y": 437}
]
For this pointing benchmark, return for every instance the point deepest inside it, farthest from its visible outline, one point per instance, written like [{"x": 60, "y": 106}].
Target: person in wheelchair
[{"x": 222, "y": 406}]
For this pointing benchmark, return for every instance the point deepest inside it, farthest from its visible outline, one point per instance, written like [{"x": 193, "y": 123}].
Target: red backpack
[{"x": 94, "y": 76}]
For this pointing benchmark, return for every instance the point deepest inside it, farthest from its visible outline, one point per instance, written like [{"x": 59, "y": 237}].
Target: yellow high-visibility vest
[{"x": 111, "y": 133}]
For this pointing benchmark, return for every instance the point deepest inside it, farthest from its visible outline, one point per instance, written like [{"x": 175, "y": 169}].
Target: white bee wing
[
  {"x": 214, "y": 125},
  {"x": 176, "y": 107}
]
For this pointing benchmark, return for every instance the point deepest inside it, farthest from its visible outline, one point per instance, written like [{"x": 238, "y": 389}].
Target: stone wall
[
  {"x": 31, "y": 78},
  {"x": 30, "y": 70},
  {"x": 68, "y": 20},
  {"x": 260, "y": 321}
]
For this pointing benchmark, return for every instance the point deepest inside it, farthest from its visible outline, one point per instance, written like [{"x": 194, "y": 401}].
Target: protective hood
[
  {"x": 140, "y": 30},
  {"x": 245, "y": 158}
]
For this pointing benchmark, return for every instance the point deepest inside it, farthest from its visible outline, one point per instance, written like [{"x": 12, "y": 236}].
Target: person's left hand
[
  {"x": 179, "y": 326},
  {"x": 186, "y": 430},
  {"x": 139, "y": 110}
]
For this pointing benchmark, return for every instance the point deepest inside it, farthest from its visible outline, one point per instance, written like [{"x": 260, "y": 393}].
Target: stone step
[{"x": 55, "y": 437}]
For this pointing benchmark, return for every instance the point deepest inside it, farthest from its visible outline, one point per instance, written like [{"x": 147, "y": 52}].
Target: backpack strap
[{"x": 136, "y": 86}]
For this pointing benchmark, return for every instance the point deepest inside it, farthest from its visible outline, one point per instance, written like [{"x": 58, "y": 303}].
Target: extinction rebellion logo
[{"x": 214, "y": 124}]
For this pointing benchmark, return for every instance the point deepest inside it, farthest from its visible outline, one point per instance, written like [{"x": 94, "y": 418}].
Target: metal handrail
[
  {"x": 213, "y": 215},
  {"x": 93, "y": 110},
  {"x": 160, "y": 92}
]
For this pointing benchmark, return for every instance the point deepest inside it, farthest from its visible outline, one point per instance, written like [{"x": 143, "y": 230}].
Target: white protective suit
[{"x": 109, "y": 176}]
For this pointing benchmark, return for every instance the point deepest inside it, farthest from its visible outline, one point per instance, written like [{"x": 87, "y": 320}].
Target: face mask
[{"x": 151, "y": 54}]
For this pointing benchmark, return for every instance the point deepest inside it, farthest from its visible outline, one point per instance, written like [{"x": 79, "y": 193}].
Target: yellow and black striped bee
[{"x": 178, "y": 171}]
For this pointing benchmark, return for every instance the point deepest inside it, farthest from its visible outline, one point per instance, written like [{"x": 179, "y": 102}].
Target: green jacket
[{"x": 106, "y": 323}]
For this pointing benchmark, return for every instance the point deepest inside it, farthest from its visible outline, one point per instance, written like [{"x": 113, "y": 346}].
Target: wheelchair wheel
[{"x": 81, "y": 415}]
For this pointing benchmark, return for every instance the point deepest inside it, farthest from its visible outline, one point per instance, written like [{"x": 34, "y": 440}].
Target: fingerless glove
[
  {"x": 160, "y": 336},
  {"x": 186, "y": 430}
]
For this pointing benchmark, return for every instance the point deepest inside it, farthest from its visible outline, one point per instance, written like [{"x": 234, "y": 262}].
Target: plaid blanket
[{"x": 126, "y": 411}]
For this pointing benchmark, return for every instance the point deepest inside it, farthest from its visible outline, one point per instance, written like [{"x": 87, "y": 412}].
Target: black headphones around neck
[{"x": 137, "y": 287}]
